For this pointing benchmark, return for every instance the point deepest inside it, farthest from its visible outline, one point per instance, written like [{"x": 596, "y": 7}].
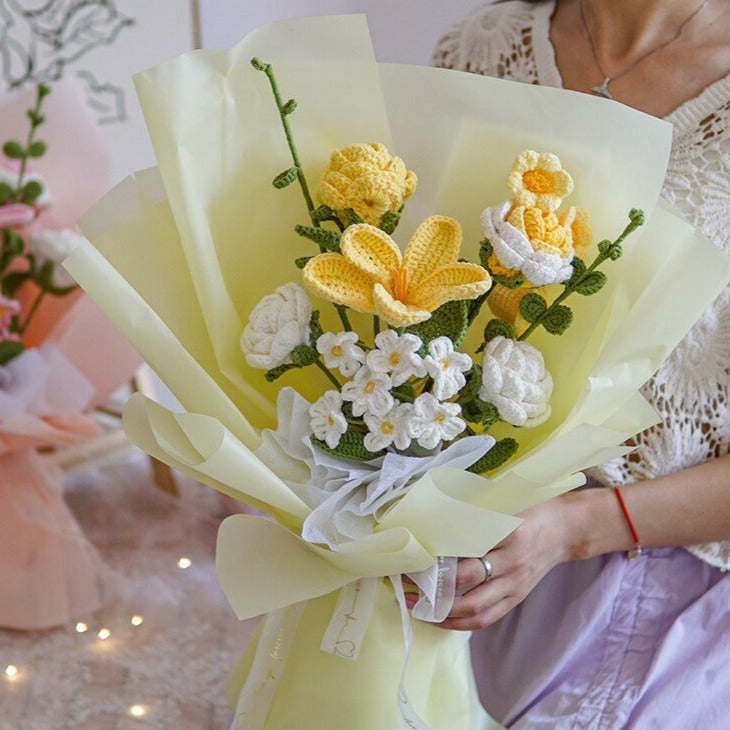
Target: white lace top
[{"x": 691, "y": 391}]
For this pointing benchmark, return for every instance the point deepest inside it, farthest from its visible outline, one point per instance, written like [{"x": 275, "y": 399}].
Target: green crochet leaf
[
  {"x": 532, "y": 306},
  {"x": 6, "y": 193},
  {"x": 557, "y": 320},
  {"x": 498, "y": 328},
  {"x": 579, "y": 269},
  {"x": 450, "y": 319},
  {"x": 503, "y": 450},
  {"x": 315, "y": 328},
  {"x": 287, "y": 177},
  {"x": 37, "y": 148},
  {"x": 300, "y": 263},
  {"x": 13, "y": 281},
  {"x": 10, "y": 349},
  {"x": 14, "y": 150},
  {"x": 351, "y": 446},
  {"x": 509, "y": 282},
  {"x": 352, "y": 217},
  {"x": 32, "y": 190},
  {"x": 321, "y": 214},
  {"x": 485, "y": 251},
  {"x": 591, "y": 283},
  {"x": 289, "y": 107},
  {"x": 327, "y": 239},
  {"x": 391, "y": 220},
  {"x": 303, "y": 355},
  {"x": 490, "y": 414},
  {"x": 277, "y": 372}
]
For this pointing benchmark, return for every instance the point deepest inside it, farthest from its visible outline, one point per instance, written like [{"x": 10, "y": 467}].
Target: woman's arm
[{"x": 686, "y": 508}]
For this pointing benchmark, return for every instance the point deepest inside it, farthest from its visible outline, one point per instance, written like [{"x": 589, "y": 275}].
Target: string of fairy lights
[{"x": 16, "y": 673}]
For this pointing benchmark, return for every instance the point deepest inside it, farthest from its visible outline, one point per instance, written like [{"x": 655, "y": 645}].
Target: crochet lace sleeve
[{"x": 495, "y": 41}]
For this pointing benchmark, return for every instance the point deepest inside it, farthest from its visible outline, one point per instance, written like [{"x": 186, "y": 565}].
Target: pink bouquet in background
[{"x": 48, "y": 570}]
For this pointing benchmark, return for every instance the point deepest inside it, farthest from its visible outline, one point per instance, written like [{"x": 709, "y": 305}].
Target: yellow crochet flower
[
  {"x": 538, "y": 180},
  {"x": 543, "y": 229},
  {"x": 368, "y": 179},
  {"x": 371, "y": 275},
  {"x": 575, "y": 221}
]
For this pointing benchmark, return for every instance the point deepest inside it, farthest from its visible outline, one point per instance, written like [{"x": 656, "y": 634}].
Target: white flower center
[
  {"x": 336, "y": 351},
  {"x": 445, "y": 363},
  {"x": 330, "y": 420},
  {"x": 394, "y": 358},
  {"x": 387, "y": 427},
  {"x": 440, "y": 418},
  {"x": 369, "y": 387}
]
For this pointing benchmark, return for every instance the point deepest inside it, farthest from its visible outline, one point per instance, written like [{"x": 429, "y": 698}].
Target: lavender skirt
[{"x": 610, "y": 643}]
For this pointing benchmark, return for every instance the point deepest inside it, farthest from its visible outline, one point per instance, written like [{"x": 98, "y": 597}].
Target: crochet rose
[
  {"x": 530, "y": 241},
  {"x": 55, "y": 246},
  {"x": 368, "y": 179},
  {"x": 515, "y": 380},
  {"x": 278, "y": 324}
]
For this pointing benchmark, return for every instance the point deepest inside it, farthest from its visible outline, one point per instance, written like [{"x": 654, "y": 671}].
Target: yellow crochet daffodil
[
  {"x": 538, "y": 180},
  {"x": 368, "y": 179},
  {"x": 371, "y": 275}
]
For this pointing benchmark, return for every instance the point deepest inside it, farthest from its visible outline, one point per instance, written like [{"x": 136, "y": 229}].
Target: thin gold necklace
[{"x": 603, "y": 89}]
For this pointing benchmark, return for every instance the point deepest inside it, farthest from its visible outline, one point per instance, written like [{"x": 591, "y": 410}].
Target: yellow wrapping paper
[{"x": 179, "y": 257}]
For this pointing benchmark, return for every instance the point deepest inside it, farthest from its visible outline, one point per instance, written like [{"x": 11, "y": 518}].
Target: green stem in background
[
  {"x": 607, "y": 250},
  {"x": 376, "y": 326},
  {"x": 284, "y": 110},
  {"x": 32, "y": 311},
  {"x": 35, "y": 121},
  {"x": 328, "y": 373}
]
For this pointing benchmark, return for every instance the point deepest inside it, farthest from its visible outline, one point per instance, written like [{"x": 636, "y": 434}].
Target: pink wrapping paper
[{"x": 49, "y": 573}]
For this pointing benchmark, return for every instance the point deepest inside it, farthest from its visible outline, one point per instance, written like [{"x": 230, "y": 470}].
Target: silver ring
[{"x": 487, "y": 568}]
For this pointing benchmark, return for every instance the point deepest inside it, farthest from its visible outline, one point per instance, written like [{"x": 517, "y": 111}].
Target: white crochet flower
[
  {"x": 515, "y": 380},
  {"x": 447, "y": 367},
  {"x": 398, "y": 355},
  {"x": 277, "y": 324},
  {"x": 55, "y": 246},
  {"x": 328, "y": 423},
  {"x": 341, "y": 351},
  {"x": 514, "y": 250},
  {"x": 369, "y": 392},
  {"x": 391, "y": 428},
  {"x": 432, "y": 422}
]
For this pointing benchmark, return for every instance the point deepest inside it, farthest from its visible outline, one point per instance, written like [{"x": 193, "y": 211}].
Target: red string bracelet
[{"x": 637, "y": 549}]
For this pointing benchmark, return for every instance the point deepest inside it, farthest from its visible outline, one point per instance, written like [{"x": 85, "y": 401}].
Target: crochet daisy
[
  {"x": 341, "y": 351},
  {"x": 446, "y": 367},
  {"x": 432, "y": 422},
  {"x": 369, "y": 392},
  {"x": 538, "y": 180},
  {"x": 398, "y": 355},
  {"x": 328, "y": 423}
]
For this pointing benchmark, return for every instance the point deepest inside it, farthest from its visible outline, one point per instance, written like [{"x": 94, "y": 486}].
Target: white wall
[{"x": 403, "y": 31}]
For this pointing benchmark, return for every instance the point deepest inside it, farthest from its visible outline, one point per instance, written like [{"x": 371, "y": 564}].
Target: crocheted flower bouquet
[{"x": 412, "y": 423}]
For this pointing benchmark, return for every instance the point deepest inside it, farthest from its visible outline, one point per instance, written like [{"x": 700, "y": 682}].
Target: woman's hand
[{"x": 544, "y": 539}]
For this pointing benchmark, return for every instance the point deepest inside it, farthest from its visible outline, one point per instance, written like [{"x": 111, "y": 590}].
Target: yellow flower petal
[
  {"x": 395, "y": 312},
  {"x": 449, "y": 283},
  {"x": 435, "y": 243},
  {"x": 332, "y": 277},
  {"x": 373, "y": 251}
]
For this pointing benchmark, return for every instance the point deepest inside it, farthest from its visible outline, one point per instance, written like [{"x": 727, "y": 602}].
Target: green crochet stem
[
  {"x": 610, "y": 251},
  {"x": 284, "y": 110},
  {"x": 328, "y": 373},
  {"x": 35, "y": 121}
]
